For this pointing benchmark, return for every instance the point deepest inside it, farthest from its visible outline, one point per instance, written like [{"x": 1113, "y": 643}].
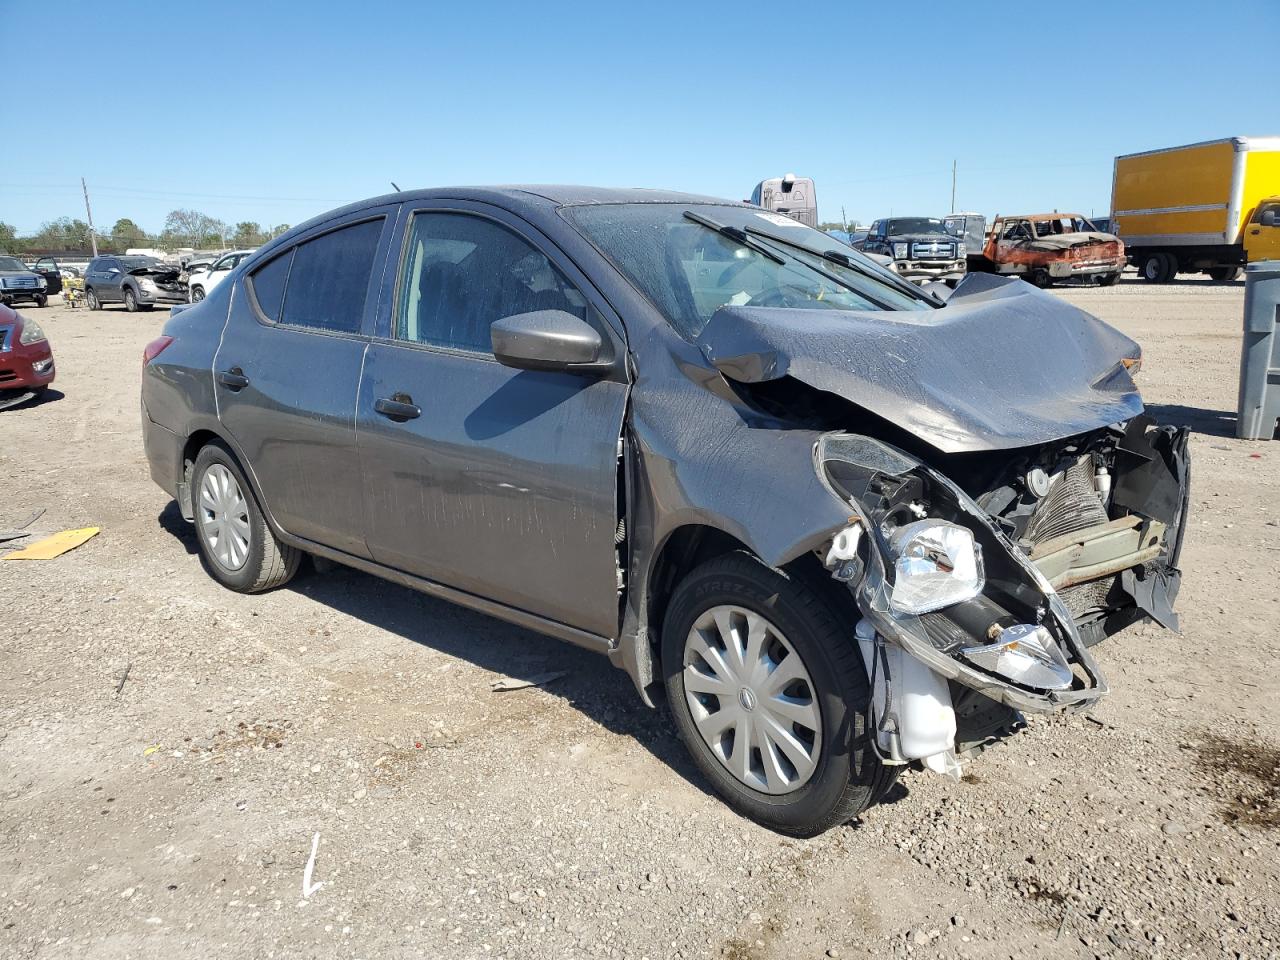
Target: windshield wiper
[
  {"x": 737, "y": 234},
  {"x": 844, "y": 260}
]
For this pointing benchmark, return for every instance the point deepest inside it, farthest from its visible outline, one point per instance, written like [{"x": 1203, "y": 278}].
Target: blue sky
[{"x": 272, "y": 112}]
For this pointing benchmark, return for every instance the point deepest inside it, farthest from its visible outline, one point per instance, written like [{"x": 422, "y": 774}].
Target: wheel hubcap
[
  {"x": 752, "y": 699},
  {"x": 224, "y": 518}
]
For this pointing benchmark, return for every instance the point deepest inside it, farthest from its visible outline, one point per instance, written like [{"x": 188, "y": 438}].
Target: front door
[
  {"x": 288, "y": 368},
  {"x": 495, "y": 481}
]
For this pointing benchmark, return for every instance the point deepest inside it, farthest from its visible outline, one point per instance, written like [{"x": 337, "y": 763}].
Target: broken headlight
[
  {"x": 1026, "y": 654},
  {"x": 936, "y": 564}
]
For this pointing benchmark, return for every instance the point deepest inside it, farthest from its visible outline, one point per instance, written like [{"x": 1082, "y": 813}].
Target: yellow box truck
[{"x": 1211, "y": 207}]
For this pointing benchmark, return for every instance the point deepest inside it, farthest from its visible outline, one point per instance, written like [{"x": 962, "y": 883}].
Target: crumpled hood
[
  {"x": 1002, "y": 365},
  {"x": 161, "y": 270},
  {"x": 1064, "y": 241}
]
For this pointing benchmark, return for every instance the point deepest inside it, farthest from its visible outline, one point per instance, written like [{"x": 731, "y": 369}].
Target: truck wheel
[
  {"x": 42, "y": 300},
  {"x": 1158, "y": 268},
  {"x": 1039, "y": 278},
  {"x": 1108, "y": 279},
  {"x": 91, "y": 299},
  {"x": 1223, "y": 274},
  {"x": 130, "y": 301},
  {"x": 770, "y": 696}
]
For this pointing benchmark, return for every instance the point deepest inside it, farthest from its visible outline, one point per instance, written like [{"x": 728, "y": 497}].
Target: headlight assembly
[
  {"x": 31, "y": 332},
  {"x": 962, "y": 250},
  {"x": 900, "y": 251},
  {"x": 936, "y": 564},
  {"x": 1026, "y": 654}
]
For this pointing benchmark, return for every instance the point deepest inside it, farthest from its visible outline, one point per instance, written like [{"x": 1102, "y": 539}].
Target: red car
[{"x": 26, "y": 359}]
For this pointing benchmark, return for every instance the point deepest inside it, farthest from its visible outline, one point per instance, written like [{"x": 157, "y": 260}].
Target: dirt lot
[{"x": 176, "y": 817}]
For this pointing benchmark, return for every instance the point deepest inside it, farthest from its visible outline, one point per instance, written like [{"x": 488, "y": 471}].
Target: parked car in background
[
  {"x": 921, "y": 248},
  {"x": 20, "y": 284},
  {"x": 675, "y": 430},
  {"x": 26, "y": 359},
  {"x": 202, "y": 280},
  {"x": 138, "y": 282},
  {"x": 1044, "y": 248}
]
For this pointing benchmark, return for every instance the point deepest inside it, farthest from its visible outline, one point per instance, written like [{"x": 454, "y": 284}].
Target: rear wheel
[
  {"x": 769, "y": 695},
  {"x": 130, "y": 300},
  {"x": 1223, "y": 274},
  {"x": 1158, "y": 268},
  {"x": 237, "y": 547},
  {"x": 91, "y": 299}
]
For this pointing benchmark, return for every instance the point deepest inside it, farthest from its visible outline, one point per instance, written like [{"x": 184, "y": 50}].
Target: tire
[
  {"x": 1108, "y": 279},
  {"x": 196, "y": 294},
  {"x": 1158, "y": 268},
  {"x": 244, "y": 556},
  {"x": 842, "y": 774},
  {"x": 42, "y": 300},
  {"x": 1039, "y": 277},
  {"x": 92, "y": 300},
  {"x": 130, "y": 300},
  {"x": 1223, "y": 274}
]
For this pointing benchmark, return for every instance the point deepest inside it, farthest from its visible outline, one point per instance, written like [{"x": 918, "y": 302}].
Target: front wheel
[
  {"x": 1224, "y": 274},
  {"x": 42, "y": 300},
  {"x": 237, "y": 547},
  {"x": 91, "y": 299},
  {"x": 1039, "y": 278},
  {"x": 769, "y": 695},
  {"x": 130, "y": 300},
  {"x": 196, "y": 294},
  {"x": 1109, "y": 279}
]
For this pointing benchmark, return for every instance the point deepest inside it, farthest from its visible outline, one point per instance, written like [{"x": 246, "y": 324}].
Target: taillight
[{"x": 154, "y": 349}]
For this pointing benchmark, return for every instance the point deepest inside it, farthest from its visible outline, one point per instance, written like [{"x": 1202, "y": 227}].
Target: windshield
[
  {"x": 11, "y": 263},
  {"x": 133, "y": 263},
  {"x": 901, "y": 225},
  {"x": 689, "y": 270},
  {"x": 1067, "y": 223}
]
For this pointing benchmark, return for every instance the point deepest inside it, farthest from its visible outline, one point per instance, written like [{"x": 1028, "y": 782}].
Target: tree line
[{"x": 182, "y": 228}]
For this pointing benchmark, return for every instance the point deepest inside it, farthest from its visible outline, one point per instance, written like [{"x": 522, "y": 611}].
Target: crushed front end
[{"x": 982, "y": 589}]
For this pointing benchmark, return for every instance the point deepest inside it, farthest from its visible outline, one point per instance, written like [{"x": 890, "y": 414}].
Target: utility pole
[
  {"x": 844, "y": 220},
  {"x": 93, "y": 237},
  {"x": 953, "y": 186}
]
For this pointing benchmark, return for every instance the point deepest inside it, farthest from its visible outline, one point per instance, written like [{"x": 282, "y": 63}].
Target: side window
[
  {"x": 329, "y": 279},
  {"x": 463, "y": 272},
  {"x": 268, "y": 283}
]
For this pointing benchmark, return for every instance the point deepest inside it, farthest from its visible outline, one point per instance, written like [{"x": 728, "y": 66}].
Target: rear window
[
  {"x": 268, "y": 282},
  {"x": 323, "y": 283}
]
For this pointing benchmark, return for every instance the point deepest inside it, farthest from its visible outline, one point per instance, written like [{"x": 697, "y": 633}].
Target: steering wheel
[{"x": 787, "y": 295}]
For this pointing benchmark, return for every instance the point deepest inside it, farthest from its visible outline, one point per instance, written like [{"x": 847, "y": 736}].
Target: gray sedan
[{"x": 844, "y": 525}]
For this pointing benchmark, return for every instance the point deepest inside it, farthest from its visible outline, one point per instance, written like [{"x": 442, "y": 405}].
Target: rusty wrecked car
[
  {"x": 1045, "y": 248},
  {"x": 846, "y": 526}
]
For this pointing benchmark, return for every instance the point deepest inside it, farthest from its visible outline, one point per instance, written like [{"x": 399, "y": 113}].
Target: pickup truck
[
  {"x": 1044, "y": 248},
  {"x": 920, "y": 248}
]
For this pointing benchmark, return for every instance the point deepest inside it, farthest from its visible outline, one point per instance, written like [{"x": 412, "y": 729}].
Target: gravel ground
[{"x": 176, "y": 816}]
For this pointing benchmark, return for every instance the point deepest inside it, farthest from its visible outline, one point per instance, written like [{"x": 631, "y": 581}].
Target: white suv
[{"x": 200, "y": 282}]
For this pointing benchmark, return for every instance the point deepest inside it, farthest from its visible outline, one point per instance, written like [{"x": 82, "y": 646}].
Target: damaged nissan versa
[{"x": 848, "y": 525}]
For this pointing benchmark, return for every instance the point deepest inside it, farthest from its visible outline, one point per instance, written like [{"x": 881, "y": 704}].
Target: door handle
[
  {"x": 1255, "y": 231},
  {"x": 398, "y": 407},
  {"x": 233, "y": 379}
]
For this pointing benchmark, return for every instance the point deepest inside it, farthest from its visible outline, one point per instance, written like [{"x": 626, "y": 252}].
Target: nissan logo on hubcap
[{"x": 747, "y": 698}]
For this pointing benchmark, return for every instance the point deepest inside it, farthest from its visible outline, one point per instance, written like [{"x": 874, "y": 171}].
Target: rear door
[
  {"x": 288, "y": 368},
  {"x": 106, "y": 281},
  {"x": 502, "y": 482}
]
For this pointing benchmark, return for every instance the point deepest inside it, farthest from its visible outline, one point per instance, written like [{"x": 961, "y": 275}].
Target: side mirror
[
  {"x": 547, "y": 340},
  {"x": 113, "y": 270},
  {"x": 1269, "y": 217}
]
